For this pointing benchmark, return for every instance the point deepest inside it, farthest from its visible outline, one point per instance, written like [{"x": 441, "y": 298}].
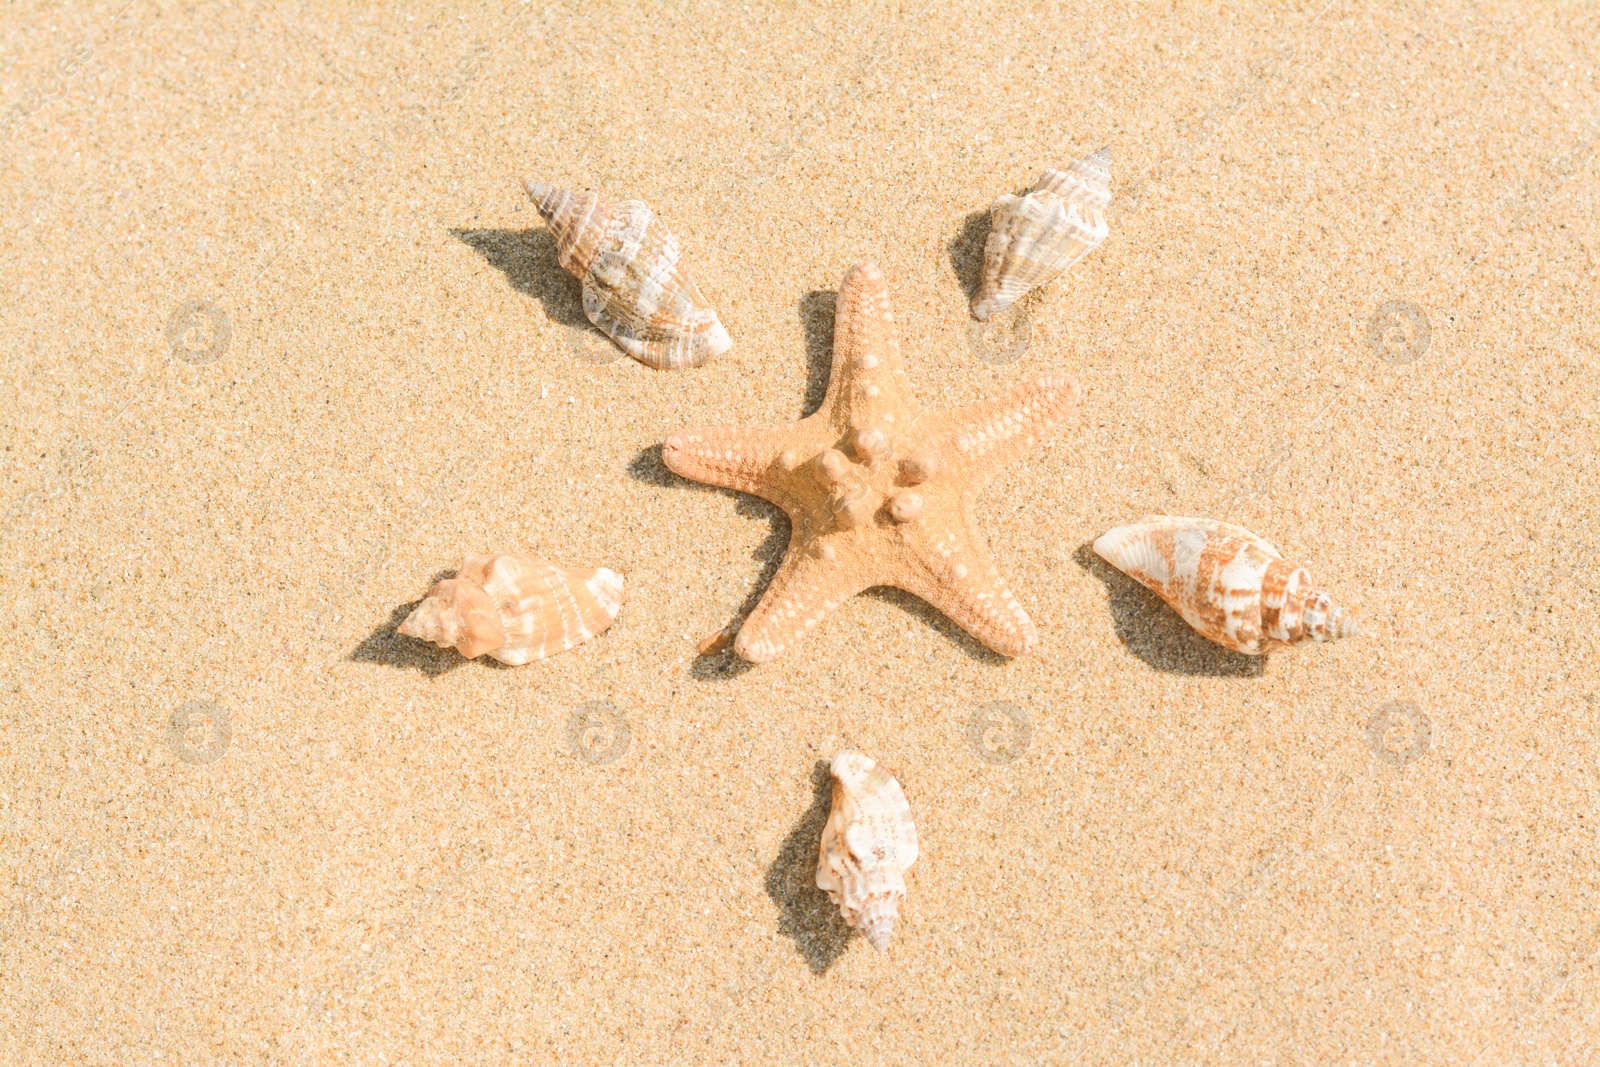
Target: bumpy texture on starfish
[{"x": 878, "y": 489}]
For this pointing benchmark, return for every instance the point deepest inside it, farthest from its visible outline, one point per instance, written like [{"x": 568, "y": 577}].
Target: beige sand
[{"x": 394, "y": 856}]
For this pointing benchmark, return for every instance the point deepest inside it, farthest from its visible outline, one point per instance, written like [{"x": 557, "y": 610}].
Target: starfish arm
[
  {"x": 868, "y": 379},
  {"x": 985, "y": 436},
  {"x": 802, "y": 593},
  {"x": 733, "y": 457},
  {"x": 951, "y": 568}
]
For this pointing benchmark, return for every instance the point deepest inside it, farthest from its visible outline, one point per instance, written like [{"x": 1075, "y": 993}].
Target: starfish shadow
[
  {"x": 912, "y": 604},
  {"x": 1158, "y": 635},
  {"x": 817, "y": 309},
  {"x": 648, "y": 466},
  {"x": 386, "y": 645},
  {"x": 805, "y": 913},
  {"x": 726, "y": 663},
  {"x": 528, "y": 260},
  {"x": 816, "y": 312}
]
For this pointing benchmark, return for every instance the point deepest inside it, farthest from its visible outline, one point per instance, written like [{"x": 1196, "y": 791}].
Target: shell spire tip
[
  {"x": 539, "y": 193},
  {"x": 1344, "y": 624}
]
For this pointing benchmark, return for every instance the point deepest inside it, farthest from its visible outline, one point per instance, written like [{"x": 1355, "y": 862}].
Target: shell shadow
[
  {"x": 966, "y": 251},
  {"x": 1158, "y": 635},
  {"x": 805, "y": 914},
  {"x": 386, "y": 645},
  {"x": 528, "y": 260}
]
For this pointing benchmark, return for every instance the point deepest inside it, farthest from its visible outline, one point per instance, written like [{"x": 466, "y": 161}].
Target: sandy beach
[{"x": 284, "y": 340}]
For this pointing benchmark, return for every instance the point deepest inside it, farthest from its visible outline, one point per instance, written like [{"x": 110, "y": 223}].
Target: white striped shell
[
  {"x": 1226, "y": 582},
  {"x": 636, "y": 288},
  {"x": 516, "y": 609},
  {"x": 1036, "y": 237},
  {"x": 867, "y": 845}
]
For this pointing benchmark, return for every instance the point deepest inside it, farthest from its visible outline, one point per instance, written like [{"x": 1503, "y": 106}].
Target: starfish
[{"x": 878, "y": 489}]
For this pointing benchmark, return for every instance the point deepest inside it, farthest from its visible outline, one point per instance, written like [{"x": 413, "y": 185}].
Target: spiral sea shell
[
  {"x": 636, "y": 288},
  {"x": 516, "y": 609},
  {"x": 867, "y": 845},
  {"x": 1226, "y": 582},
  {"x": 1035, "y": 237}
]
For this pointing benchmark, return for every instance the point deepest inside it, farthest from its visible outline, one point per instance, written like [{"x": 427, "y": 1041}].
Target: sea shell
[
  {"x": 1035, "y": 237},
  {"x": 1226, "y": 582},
  {"x": 516, "y": 608},
  {"x": 867, "y": 845},
  {"x": 636, "y": 287}
]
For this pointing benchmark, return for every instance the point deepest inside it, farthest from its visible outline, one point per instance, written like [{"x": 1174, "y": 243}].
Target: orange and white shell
[
  {"x": 1226, "y": 582},
  {"x": 867, "y": 845},
  {"x": 516, "y": 609},
  {"x": 636, "y": 288},
  {"x": 1036, "y": 237}
]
